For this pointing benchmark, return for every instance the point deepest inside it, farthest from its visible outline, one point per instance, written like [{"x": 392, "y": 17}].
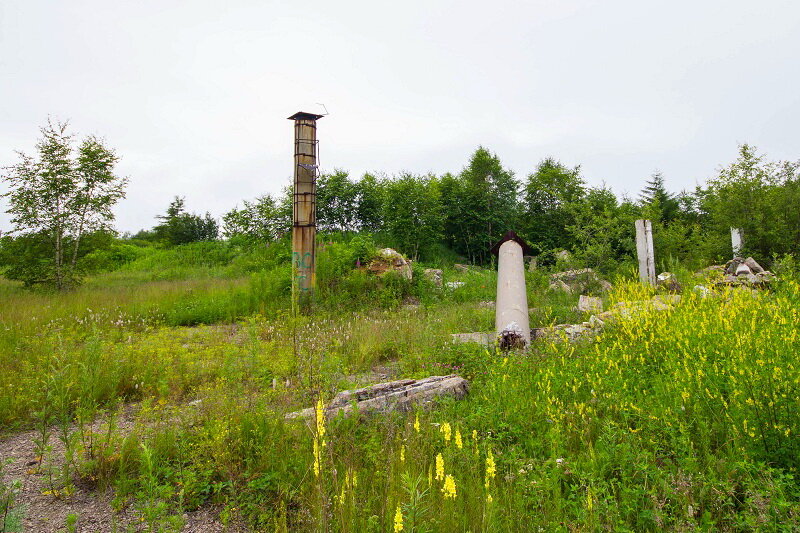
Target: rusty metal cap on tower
[
  {"x": 512, "y": 236},
  {"x": 302, "y": 115}
]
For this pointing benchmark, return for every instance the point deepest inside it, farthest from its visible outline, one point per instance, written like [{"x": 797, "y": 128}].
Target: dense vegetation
[
  {"x": 439, "y": 219},
  {"x": 677, "y": 419},
  {"x": 166, "y": 374}
]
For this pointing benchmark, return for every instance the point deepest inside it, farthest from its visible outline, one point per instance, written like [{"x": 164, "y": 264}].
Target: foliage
[
  {"x": 758, "y": 197},
  {"x": 179, "y": 227},
  {"x": 55, "y": 199},
  {"x": 412, "y": 213},
  {"x": 565, "y": 435},
  {"x": 257, "y": 221},
  {"x": 551, "y": 197}
]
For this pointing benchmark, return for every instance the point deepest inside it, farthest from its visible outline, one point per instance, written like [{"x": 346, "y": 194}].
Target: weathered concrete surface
[
  {"x": 589, "y": 303},
  {"x": 477, "y": 337},
  {"x": 644, "y": 251},
  {"x": 511, "y": 313},
  {"x": 400, "y": 395}
]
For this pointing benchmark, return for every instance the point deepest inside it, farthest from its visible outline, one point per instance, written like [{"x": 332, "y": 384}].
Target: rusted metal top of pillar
[
  {"x": 512, "y": 236},
  {"x": 302, "y": 115}
]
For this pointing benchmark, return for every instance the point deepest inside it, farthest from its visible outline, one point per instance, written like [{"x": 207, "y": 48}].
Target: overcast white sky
[{"x": 194, "y": 95}]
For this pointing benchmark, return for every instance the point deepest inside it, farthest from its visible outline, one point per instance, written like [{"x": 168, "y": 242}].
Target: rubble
[
  {"x": 579, "y": 281},
  {"x": 434, "y": 275},
  {"x": 389, "y": 260},
  {"x": 668, "y": 281},
  {"x": 400, "y": 395}
]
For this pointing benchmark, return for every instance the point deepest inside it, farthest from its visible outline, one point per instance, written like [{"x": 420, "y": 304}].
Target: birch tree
[{"x": 59, "y": 195}]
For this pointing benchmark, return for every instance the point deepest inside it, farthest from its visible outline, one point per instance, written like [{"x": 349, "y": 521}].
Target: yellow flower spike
[
  {"x": 449, "y": 488},
  {"x": 489, "y": 498},
  {"x": 445, "y": 429},
  {"x": 491, "y": 468},
  {"x": 439, "y": 467},
  {"x": 316, "y": 457},
  {"x": 403, "y": 453},
  {"x": 416, "y": 423},
  {"x": 459, "y": 444},
  {"x": 398, "y": 520}
]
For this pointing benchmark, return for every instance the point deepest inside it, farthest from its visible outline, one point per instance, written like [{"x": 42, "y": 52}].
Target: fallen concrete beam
[{"x": 400, "y": 395}]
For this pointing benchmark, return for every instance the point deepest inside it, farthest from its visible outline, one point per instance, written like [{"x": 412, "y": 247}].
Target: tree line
[{"x": 61, "y": 199}]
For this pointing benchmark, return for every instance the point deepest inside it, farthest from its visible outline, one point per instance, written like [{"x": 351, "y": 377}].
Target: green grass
[{"x": 677, "y": 420}]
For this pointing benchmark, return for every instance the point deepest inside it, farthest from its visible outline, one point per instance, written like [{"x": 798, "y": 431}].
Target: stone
[
  {"x": 742, "y": 270},
  {"x": 400, "y": 395},
  {"x": 579, "y": 281},
  {"x": 668, "y": 281},
  {"x": 389, "y": 260},
  {"x": 434, "y": 275},
  {"x": 589, "y": 303},
  {"x": 461, "y": 268},
  {"x": 732, "y": 265},
  {"x": 713, "y": 270},
  {"x": 478, "y": 338},
  {"x": 454, "y": 284},
  {"x": 560, "y": 285},
  {"x": 702, "y": 291},
  {"x": 754, "y": 267},
  {"x": 487, "y": 304}
]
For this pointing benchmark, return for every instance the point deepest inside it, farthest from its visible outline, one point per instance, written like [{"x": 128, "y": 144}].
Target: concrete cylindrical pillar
[{"x": 511, "y": 315}]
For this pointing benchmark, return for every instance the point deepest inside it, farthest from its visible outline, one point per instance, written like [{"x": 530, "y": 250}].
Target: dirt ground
[{"x": 45, "y": 513}]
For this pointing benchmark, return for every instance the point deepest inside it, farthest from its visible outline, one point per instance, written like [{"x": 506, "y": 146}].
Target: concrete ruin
[
  {"x": 399, "y": 395},
  {"x": 511, "y": 313},
  {"x": 645, "y": 252}
]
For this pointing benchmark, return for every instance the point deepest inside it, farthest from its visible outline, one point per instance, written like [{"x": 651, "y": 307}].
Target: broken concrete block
[
  {"x": 400, "y": 395},
  {"x": 589, "y": 303}
]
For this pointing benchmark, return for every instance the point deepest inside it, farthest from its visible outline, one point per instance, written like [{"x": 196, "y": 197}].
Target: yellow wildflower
[
  {"x": 458, "y": 440},
  {"x": 449, "y": 488},
  {"x": 439, "y": 467},
  {"x": 416, "y": 423},
  {"x": 489, "y": 498},
  {"x": 491, "y": 468},
  {"x": 320, "y": 413},
  {"x": 316, "y": 457},
  {"x": 445, "y": 429},
  {"x": 398, "y": 520},
  {"x": 402, "y": 453}
]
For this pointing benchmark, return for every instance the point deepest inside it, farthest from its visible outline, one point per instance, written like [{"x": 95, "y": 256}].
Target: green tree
[
  {"x": 256, "y": 221},
  {"x": 664, "y": 206},
  {"x": 758, "y": 197},
  {"x": 481, "y": 206},
  {"x": 337, "y": 202},
  {"x": 552, "y": 195},
  {"x": 56, "y": 198},
  {"x": 179, "y": 227},
  {"x": 369, "y": 208},
  {"x": 413, "y": 214}
]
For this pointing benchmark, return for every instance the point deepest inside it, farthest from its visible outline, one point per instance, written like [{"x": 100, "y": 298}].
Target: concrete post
[
  {"x": 644, "y": 250},
  {"x": 736, "y": 241},
  {"x": 511, "y": 308}
]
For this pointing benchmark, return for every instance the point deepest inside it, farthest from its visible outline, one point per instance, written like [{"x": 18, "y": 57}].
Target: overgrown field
[{"x": 679, "y": 419}]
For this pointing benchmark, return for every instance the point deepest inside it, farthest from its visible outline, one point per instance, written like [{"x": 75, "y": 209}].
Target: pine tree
[{"x": 655, "y": 195}]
